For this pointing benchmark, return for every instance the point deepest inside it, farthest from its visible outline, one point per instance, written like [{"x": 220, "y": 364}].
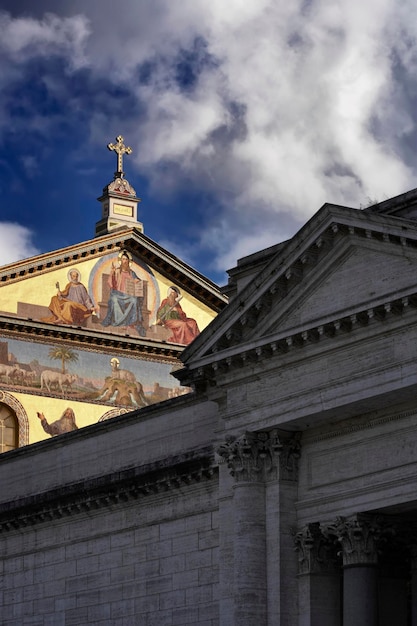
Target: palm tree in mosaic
[{"x": 65, "y": 355}]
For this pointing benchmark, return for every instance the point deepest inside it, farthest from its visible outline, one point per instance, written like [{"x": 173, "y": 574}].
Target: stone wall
[
  {"x": 113, "y": 524},
  {"x": 152, "y": 561}
]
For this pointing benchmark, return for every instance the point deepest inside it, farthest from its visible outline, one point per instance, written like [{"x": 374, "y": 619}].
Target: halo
[
  {"x": 74, "y": 269},
  {"x": 125, "y": 253}
]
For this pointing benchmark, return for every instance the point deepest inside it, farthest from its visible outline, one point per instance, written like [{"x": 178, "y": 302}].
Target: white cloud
[
  {"x": 304, "y": 102},
  {"x": 183, "y": 124},
  {"x": 311, "y": 85},
  {"x": 15, "y": 243},
  {"x": 26, "y": 37}
]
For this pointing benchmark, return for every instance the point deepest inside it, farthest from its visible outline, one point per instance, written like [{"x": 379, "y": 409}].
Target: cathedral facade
[
  {"x": 94, "y": 330},
  {"x": 280, "y": 491}
]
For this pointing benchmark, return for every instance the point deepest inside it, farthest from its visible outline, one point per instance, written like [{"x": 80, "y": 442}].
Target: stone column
[
  {"x": 319, "y": 578},
  {"x": 358, "y": 536},
  {"x": 250, "y": 458}
]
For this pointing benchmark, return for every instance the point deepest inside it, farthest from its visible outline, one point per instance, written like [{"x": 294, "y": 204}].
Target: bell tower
[{"x": 119, "y": 201}]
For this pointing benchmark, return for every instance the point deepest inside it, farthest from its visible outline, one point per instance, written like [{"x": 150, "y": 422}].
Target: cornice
[
  {"x": 64, "y": 257},
  {"x": 182, "y": 275},
  {"x": 392, "y": 205},
  {"x": 109, "y": 491},
  {"x": 234, "y": 357},
  {"x": 27, "y": 328}
]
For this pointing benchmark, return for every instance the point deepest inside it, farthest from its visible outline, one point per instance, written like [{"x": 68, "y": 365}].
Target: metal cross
[{"x": 120, "y": 149}]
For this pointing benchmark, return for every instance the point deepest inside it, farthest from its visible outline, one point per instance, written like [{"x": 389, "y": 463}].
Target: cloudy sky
[{"x": 244, "y": 117}]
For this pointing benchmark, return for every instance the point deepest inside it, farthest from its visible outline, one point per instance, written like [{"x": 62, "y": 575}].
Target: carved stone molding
[
  {"x": 252, "y": 456},
  {"x": 258, "y": 456},
  {"x": 228, "y": 361},
  {"x": 359, "y": 537},
  {"x": 317, "y": 553},
  {"x": 29, "y": 330},
  {"x": 109, "y": 491}
]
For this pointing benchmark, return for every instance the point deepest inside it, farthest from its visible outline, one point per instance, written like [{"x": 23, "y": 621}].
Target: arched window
[{"x": 9, "y": 428}]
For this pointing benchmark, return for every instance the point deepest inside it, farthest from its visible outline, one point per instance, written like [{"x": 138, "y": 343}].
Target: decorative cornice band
[
  {"x": 110, "y": 490},
  {"x": 62, "y": 258},
  {"x": 21, "y": 327},
  {"x": 284, "y": 343}
]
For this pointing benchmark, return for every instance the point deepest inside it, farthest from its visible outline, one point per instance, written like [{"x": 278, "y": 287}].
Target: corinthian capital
[
  {"x": 359, "y": 536},
  {"x": 316, "y": 552},
  {"x": 252, "y": 456}
]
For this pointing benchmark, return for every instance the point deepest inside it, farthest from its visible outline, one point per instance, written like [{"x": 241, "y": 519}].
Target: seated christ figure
[{"x": 126, "y": 296}]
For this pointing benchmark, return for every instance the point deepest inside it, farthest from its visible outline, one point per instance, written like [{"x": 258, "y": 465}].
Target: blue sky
[{"x": 244, "y": 117}]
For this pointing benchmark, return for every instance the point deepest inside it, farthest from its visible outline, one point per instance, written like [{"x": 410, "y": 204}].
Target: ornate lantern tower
[{"x": 119, "y": 201}]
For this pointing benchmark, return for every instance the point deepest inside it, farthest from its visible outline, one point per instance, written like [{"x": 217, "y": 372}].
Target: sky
[{"x": 244, "y": 117}]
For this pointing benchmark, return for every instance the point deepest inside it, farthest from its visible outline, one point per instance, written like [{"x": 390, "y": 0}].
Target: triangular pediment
[
  {"x": 354, "y": 276},
  {"x": 36, "y": 289},
  {"x": 342, "y": 263}
]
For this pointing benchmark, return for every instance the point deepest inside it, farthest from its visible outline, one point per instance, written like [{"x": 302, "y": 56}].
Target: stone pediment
[
  {"x": 82, "y": 289},
  {"x": 355, "y": 275},
  {"x": 130, "y": 239},
  {"x": 344, "y": 267}
]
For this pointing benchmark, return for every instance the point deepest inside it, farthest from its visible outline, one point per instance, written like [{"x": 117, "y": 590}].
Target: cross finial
[{"x": 120, "y": 149}]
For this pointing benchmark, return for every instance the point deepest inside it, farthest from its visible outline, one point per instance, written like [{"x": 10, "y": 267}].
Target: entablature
[
  {"x": 21, "y": 328},
  {"x": 110, "y": 490},
  {"x": 229, "y": 358}
]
